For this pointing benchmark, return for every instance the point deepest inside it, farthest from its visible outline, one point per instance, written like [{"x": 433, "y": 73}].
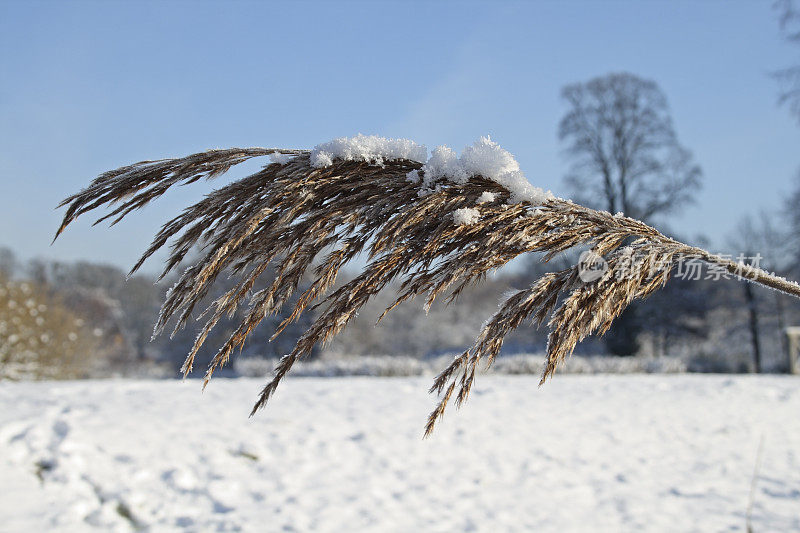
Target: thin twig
[{"x": 753, "y": 481}]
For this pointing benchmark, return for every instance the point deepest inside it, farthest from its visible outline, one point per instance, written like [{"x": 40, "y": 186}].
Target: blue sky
[{"x": 85, "y": 87}]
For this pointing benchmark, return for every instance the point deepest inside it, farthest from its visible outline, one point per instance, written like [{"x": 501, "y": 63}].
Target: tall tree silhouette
[{"x": 625, "y": 157}]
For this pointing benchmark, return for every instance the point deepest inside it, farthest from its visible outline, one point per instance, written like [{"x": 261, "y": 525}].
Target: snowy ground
[{"x": 583, "y": 453}]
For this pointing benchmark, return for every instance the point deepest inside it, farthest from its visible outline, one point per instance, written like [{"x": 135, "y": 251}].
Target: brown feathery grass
[{"x": 293, "y": 213}]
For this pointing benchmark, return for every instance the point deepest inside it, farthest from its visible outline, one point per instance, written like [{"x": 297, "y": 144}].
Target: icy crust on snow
[
  {"x": 369, "y": 148},
  {"x": 485, "y": 157}
]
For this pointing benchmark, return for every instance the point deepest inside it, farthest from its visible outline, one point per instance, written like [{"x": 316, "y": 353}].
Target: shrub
[{"x": 40, "y": 338}]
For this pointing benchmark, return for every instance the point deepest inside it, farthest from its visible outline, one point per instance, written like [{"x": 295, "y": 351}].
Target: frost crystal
[
  {"x": 466, "y": 216},
  {"x": 488, "y": 159},
  {"x": 370, "y": 148}
]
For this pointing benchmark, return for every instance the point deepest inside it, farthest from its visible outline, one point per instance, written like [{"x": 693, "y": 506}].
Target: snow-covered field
[{"x": 583, "y": 453}]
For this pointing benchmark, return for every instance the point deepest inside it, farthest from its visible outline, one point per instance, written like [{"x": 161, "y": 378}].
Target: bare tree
[
  {"x": 763, "y": 236},
  {"x": 791, "y": 220},
  {"x": 789, "y": 77},
  {"x": 626, "y": 157},
  {"x": 749, "y": 239},
  {"x": 624, "y": 148}
]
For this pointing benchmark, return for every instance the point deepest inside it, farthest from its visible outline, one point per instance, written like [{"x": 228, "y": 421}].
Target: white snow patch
[
  {"x": 466, "y": 216},
  {"x": 280, "y": 158},
  {"x": 661, "y": 453},
  {"x": 413, "y": 176},
  {"x": 485, "y": 158},
  {"x": 485, "y": 197},
  {"x": 444, "y": 163},
  {"x": 369, "y": 148},
  {"x": 397, "y": 365}
]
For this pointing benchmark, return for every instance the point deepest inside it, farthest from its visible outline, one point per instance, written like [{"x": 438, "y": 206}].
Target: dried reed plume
[{"x": 292, "y": 213}]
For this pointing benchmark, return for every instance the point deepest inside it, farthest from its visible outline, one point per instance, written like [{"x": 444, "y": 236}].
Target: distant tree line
[{"x": 82, "y": 319}]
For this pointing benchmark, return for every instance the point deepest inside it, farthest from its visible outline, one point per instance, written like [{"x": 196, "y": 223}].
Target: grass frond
[{"x": 293, "y": 213}]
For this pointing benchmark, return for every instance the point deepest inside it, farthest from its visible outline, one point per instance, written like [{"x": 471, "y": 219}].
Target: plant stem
[{"x": 750, "y": 273}]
